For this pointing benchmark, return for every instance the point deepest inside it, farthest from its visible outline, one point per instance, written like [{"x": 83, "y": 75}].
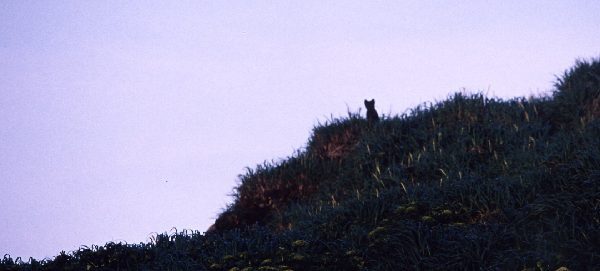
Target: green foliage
[
  {"x": 577, "y": 96},
  {"x": 467, "y": 183}
]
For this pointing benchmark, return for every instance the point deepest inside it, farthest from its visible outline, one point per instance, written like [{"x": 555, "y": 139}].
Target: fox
[{"x": 372, "y": 115}]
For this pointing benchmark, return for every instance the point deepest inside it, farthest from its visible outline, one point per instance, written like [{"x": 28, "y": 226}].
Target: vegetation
[{"x": 468, "y": 183}]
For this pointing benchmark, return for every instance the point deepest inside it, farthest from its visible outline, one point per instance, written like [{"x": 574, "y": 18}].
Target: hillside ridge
[{"x": 467, "y": 183}]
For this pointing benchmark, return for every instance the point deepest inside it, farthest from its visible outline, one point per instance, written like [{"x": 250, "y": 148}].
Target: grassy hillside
[{"x": 468, "y": 183}]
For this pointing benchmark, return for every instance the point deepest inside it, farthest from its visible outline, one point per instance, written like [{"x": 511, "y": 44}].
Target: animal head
[{"x": 370, "y": 105}]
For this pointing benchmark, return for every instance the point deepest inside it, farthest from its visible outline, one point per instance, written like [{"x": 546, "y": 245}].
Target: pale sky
[{"x": 119, "y": 119}]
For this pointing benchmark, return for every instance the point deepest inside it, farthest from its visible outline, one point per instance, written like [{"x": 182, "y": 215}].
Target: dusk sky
[{"x": 120, "y": 119}]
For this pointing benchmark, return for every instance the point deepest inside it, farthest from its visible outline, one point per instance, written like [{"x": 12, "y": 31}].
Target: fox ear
[{"x": 373, "y": 101}]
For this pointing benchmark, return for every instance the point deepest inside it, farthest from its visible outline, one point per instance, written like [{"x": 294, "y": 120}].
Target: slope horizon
[
  {"x": 122, "y": 119},
  {"x": 467, "y": 169}
]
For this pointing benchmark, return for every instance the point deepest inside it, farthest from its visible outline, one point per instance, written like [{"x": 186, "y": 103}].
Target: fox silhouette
[{"x": 372, "y": 115}]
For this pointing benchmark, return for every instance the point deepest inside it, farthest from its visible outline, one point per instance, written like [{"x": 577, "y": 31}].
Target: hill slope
[{"x": 468, "y": 183}]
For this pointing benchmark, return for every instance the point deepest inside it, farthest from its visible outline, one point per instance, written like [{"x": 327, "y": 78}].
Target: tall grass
[{"x": 468, "y": 183}]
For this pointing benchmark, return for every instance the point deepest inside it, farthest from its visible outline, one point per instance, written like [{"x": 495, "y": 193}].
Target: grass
[{"x": 468, "y": 183}]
